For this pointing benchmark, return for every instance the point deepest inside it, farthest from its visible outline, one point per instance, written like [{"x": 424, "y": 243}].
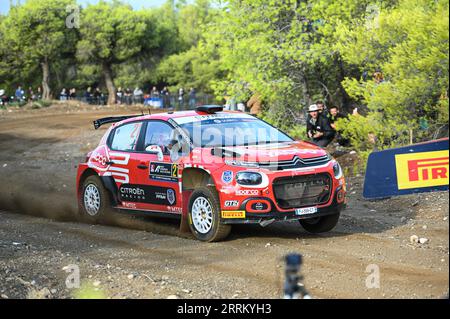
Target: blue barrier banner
[{"x": 406, "y": 170}]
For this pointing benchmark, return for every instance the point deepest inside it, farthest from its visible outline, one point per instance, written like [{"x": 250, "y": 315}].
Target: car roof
[{"x": 178, "y": 114}]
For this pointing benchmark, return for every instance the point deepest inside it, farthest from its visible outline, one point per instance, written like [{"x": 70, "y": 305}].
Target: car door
[
  {"x": 159, "y": 176},
  {"x": 123, "y": 158}
]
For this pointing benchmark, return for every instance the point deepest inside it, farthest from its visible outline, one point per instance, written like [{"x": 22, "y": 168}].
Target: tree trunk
[
  {"x": 107, "y": 73},
  {"x": 46, "y": 93}
]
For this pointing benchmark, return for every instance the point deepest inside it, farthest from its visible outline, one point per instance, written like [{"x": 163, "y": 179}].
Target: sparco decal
[{"x": 147, "y": 194}]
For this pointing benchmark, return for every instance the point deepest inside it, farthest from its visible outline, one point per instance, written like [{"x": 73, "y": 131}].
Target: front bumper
[{"x": 275, "y": 215}]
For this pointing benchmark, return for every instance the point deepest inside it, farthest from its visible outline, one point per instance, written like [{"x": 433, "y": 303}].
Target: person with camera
[{"x": 318, "y": 127}]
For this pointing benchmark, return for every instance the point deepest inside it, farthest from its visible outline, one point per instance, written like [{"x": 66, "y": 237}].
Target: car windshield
[{"x": 232, "y": 131}]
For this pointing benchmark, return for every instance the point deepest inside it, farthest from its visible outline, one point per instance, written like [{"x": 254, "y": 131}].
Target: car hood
[{"x": 274, "y": 151}]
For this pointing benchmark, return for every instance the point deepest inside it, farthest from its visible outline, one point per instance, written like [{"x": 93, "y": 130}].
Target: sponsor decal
[
  {"x": 164, "y": 171},
  {"x": 423, "y": 169},
  {"x": 231, "y": 203},
  {"x": 171, "y": 196},
  {"x": 147, "y": 194},
  {"x": 247, "y": 192},
  {"x": 129, "y": 205},
  {"x": 227, "y": 177},
  {"x": 233, "y": 214},
  {"x": 173, "y": 209}
]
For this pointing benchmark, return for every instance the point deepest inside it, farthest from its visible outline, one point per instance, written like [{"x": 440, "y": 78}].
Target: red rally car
[{"x": 211, "y": 168}]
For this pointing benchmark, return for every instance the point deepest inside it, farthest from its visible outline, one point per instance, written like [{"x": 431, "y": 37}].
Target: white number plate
[{"x": 306, "y": 211}]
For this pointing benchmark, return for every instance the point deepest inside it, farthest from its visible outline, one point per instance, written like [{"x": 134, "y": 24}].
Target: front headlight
[
  {"x": 248, "y": 178},
  {"x": 337, "y": 170}
]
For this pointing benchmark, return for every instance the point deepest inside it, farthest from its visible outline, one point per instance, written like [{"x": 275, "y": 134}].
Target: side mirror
[{"x": 155, "y": 149}]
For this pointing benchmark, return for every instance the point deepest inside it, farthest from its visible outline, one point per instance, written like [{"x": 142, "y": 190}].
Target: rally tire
[
  {"x": 320, "y": 224},
  {"x": 95, "y": 201},
  {"x": 204, "y": 216}
]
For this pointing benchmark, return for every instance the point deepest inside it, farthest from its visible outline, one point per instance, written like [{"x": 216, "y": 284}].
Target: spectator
[
  {"x": 180, "y": 98},
  {"x": 165, "y": 97},
  {"x": 378, "y": 77},
  {"x": 138, "y": 96},
  {"x": 192, "y": 98},
  {"x": 154, "y": 93},
  {"x": 31, "y": 95},
  {"x": 98, "y": 96},
  {"x": 333, "y": 117},
  {"x": 73, "y": 94},
  {"x": 119, "y": 95},
  {"x": 254, "y": 104},
  {"x": 63, "y": 95},
  {"x": 39, "y": 93},
  {"x": 20, "y": 94},
  {"x": 322, "y": 108},
  {"x": 3, "y": 98},
  {"x": 128, "y": 96},
  {"x": 88, "y": 95},
  {"x": 318, "y": 127}
]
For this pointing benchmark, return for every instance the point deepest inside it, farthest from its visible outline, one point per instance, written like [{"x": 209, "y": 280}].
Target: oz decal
[
  {"x": 147, "y": 194},
  {"x": 227, "y": 177},
  {"x": 164, "y": 171}
]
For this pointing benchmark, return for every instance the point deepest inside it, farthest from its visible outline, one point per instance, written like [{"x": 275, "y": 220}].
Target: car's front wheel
[
  {"x": 204, "y": 216},
  {"x": 320, "y": 224},
  {"x": 95, "y": 201}
]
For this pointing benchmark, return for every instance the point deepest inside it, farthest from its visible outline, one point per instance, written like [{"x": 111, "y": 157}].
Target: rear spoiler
[{"x": 114, "y": 119}]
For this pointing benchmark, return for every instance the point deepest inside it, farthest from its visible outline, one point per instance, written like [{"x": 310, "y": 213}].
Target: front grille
[
  {"x": 304, "y": 190},
  {"x": 295, "y": 162}
]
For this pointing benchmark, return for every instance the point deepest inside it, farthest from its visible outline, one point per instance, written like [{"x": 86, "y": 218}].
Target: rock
[
  {"x": 165, "y": 278},
  {"x": 352, "y": 152},
  {"x": 445, "y": 218},
  {"x": 172, "y": 297},
  {"x": 4, "y": 165},
  {"x": 423, "y": 240},
  {"x": 414, "y": 239},
  {"x": 53, "y": 291},
  {"x": 96, "y": 283},
  {"x": 424, "y": 227},
  {"x": 403, "y": 219},
  {"x": 3, "y": 296},
  {"x": 131, "y": 276},
  {"x": 267, "y": 245},
  {"x": 187, "y": 291}
]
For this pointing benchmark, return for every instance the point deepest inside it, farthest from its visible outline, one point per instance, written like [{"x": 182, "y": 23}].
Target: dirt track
[{"x": 139, "y": 257}]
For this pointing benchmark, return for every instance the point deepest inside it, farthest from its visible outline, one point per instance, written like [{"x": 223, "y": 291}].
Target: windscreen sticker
[{"x": 200, "y": 118}]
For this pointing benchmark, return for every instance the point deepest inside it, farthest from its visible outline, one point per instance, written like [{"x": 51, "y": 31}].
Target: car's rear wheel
[
  {"x": 95, "y": 201},
  {"x": 204, "y": 216},
  {"x": 320, "y": 224}
]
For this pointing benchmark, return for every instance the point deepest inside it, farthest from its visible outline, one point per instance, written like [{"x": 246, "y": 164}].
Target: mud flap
[{"x": 184, "y": 224}]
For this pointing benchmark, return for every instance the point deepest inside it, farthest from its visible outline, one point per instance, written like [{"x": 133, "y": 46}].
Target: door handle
[{"x": 142, "y": 166}]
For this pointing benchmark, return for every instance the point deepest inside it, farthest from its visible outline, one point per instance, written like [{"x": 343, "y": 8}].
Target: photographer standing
[{"x": 318, "y": 127}]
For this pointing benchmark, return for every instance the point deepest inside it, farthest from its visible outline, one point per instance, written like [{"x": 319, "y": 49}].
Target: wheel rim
[
  {"x": 202, "y": 215},
  {"x": 91, "y": 199}
]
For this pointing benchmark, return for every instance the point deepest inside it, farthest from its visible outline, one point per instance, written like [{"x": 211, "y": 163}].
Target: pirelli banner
[{"x": 412, "y": 169}]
